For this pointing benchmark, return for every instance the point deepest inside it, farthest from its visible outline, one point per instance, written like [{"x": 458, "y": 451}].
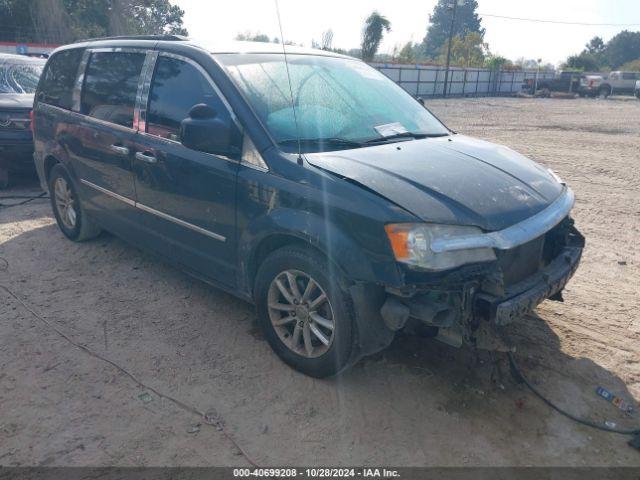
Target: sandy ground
[{"x": 418, "y": 403}]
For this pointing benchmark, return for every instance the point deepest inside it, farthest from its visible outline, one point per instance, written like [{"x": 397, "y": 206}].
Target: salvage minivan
[{"x": 309, "y": 184}]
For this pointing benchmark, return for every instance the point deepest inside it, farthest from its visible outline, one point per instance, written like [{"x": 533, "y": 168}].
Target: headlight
[{"x": 411, "y": 244}]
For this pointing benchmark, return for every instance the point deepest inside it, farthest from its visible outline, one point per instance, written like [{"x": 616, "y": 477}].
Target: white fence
[{"x": 428, "y": 80}]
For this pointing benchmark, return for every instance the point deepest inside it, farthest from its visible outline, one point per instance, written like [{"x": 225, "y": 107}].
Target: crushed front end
[{"x": 469, "y": 305}]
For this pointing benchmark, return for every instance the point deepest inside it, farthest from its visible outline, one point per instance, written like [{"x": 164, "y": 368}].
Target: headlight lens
[{"x": 411, "y": 244}]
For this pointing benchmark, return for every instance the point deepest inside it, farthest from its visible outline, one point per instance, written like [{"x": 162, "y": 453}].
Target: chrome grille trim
[{"x": 515, "y": 235}]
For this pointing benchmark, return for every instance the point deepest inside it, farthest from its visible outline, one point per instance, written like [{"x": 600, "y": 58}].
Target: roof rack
[{"x": 164, "y": 37}]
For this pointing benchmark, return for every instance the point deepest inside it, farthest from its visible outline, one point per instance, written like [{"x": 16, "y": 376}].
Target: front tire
[
  {"x": 67, "y": 208},
  {"x": 304, "y": 311}
]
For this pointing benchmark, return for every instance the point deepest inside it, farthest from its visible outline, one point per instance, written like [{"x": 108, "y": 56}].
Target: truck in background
[{"x": 615, "y": 83}]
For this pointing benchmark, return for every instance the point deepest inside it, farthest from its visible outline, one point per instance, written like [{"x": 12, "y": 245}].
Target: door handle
[
  {"x": 146, "y": 157},
  {"x": 120, "y": 149}
]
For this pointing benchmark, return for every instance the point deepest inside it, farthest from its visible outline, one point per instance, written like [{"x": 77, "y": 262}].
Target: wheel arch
[
  {"x": 49, "y": 162},
  {"x": 294, "y": 227}
]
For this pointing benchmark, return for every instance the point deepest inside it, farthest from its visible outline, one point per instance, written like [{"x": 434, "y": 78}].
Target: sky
[{"x": 211, "y": 21}]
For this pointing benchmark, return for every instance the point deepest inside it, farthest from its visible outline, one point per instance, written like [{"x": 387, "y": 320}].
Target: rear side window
[
  {"x": 59, "y": 78},
  {"x": 111, "y": 85},
  {"x": 629, "y": 76},
  {"x": 177, "y": 86}
]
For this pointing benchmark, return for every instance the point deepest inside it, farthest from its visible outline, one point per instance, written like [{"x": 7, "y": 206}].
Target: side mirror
[{"x": 204, "y": 131}]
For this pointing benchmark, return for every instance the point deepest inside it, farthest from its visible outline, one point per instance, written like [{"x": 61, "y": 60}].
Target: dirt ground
[{"x": 418, "y": 403}]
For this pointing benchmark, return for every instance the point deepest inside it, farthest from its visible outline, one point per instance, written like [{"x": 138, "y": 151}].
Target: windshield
[
  {"x": 19, "y": 77},
  {"x": 339, "y": 103}
]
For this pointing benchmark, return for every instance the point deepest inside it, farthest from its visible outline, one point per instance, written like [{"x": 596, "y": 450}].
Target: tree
[
  {"x": 523, "y": 63},
  {"x": 50, "y": 19},
  {"x": 63, "y": 21},
  {"x": 595, "y": 46},
  {"x": 17, "y": 24},
  {"x": 374, "y": 27},
  {"x": 622, "y": 48},
  {"x": 594, "y": 53},
  {"x": 632, "y": 66},
  {"x": 583, "y": 62},
  {"x": 467, "y": 51},
  {"x": 327, "y": 40},
  {"x": 408, "y": 53},
  {"x": 255, "y": 37},
  {"x": 467, "y": 21},
  {"x": 496, "y": 62},
  {"x": 156, "y": 16}
]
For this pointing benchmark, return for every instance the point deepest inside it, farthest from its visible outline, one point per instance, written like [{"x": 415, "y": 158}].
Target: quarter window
[
  {"x": 111, "y": 85},
  {"x": 177, "y": 86},
  {"x": 59, "y": 78}
]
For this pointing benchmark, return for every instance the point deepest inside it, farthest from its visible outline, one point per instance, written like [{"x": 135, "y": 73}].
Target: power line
[{"x": 538, "y": 20}]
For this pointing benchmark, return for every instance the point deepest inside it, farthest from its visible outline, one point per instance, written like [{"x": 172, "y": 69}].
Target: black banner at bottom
[{"x": 374, "y": 472}]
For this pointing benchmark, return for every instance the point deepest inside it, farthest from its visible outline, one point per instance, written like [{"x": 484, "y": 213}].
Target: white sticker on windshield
[{"x": 390, "y": 129}]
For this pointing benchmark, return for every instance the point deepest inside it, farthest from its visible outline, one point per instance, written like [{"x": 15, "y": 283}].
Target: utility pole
[
  {"x": 535, "y": 86},
  {"x": 453, "y": 21}
]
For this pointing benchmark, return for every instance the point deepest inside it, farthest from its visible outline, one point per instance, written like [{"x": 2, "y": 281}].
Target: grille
[{"x": 526, "y": 259}]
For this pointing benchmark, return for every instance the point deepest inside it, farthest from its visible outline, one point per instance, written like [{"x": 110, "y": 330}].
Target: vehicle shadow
[
  {"x": 417, "y": 403},
  {"x": 473, "y": 375}
]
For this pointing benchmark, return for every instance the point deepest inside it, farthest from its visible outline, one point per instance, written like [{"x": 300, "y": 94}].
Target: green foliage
[
  {"x": 585, "y": 62},
  {"x": 409, "y": 53},
  {"x": 467, "y": 21},
  {"x": 623, "y": 48},
  {"x": 255, "y": 37},
  {"x": 15, "y": 21},
  {"x": 496, "y": 62},
  {"x": 374, "y": 27},
  {"x": 632, "y": 66},
  {"x": 594, "y": 53},
  {"x": 467, "y": 51},
  {"x": 63, "y": 21},
  {"x": 598, "y": 55},
  {"x": 595, "y": 46}
]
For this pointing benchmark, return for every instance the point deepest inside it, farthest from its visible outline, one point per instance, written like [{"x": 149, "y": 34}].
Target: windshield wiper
[{"x": 407, "y": 135}]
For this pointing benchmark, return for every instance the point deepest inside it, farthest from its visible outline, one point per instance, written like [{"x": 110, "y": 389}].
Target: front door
[{"x": 187, "y": 197}]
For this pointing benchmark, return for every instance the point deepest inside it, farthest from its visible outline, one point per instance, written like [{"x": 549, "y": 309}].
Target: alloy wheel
[
  {"x": 301, "y": 314},
  {"x": 65, "y": 203}
]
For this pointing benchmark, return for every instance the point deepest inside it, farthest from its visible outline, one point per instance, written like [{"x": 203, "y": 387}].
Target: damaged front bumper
[
  {"x": 462, "y": 308},
  {"x": 523, "y": 297}
]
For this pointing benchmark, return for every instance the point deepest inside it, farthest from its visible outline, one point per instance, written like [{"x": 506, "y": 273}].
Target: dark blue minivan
[{"x": 309, "y": 184}]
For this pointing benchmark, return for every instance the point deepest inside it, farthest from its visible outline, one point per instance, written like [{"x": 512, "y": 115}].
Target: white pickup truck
[{"x": 615, "y": 83}]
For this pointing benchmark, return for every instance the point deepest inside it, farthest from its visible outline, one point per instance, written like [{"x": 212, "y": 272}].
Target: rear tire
[
  {"x": 312, "y": 335},
  {"x": 604, "y": 92},
  {"x": 67, "y": 208}
]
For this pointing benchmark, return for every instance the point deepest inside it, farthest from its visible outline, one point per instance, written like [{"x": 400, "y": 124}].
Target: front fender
[{"x": 309, "y": 228}]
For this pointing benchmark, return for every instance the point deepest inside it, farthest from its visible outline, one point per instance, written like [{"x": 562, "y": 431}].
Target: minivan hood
[
  {"x": 14, "y": 101},
  {"x": 453, "y": 180}
]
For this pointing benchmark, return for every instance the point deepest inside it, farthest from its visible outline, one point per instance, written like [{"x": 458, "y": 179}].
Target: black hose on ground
[
  {"x": 15, "y": 197},
  {"x": 520, "y": 378}
]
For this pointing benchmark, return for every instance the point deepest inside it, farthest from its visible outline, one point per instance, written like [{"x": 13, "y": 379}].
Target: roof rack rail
[{"x": 163, "y": 37}]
